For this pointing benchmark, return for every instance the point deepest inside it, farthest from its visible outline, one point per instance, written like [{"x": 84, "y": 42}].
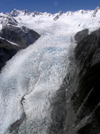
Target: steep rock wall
[
  {"x": 83, "y": 115},
  {"x": 14, "y": 38},
  {"x": 76, "y": 105}
]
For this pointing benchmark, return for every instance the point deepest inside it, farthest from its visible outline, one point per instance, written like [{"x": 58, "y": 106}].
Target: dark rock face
[
  {"x": 5, "y": 55},
  {"x": 58, "y": 113},
  {"x": 14, "y": 38},
  {"x": 77, "y": 109},
  {"x": 21, "y": 36},
  {"x": 85, "y": 100},
  {"x": 80, "y": 35}
]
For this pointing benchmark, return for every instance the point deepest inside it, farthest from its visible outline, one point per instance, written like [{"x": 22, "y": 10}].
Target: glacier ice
[{"x": 34, "y": 74}]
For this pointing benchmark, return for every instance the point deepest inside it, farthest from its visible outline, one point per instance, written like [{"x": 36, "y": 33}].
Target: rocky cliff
[
  {"x": 82, "y": 114},
  {"x": 13, "y": 38},
  {"x": 77, "y": 109}
]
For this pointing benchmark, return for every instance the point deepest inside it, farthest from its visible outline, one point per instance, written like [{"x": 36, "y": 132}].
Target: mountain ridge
[{"x": 16, "y": 12}]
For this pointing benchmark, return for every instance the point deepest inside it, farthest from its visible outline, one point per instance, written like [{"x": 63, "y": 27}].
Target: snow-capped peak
[
  {"x": 56, "y": 16},
  {"x": 15, "y": 13},
  {"x": 38, "y": 19},
  {"x": 95, "y": 12},
  {"x": 26, "y": 12},
  {"x": 6, "y": 19}
]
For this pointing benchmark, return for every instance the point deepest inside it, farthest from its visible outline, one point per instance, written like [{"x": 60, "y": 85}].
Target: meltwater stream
[{"x": 30, "y": 79}]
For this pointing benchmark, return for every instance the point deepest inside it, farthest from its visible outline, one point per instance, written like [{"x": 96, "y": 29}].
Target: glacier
[
  {"x": 38, "y": 72},
  {"x": 31, "y": 78}
]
